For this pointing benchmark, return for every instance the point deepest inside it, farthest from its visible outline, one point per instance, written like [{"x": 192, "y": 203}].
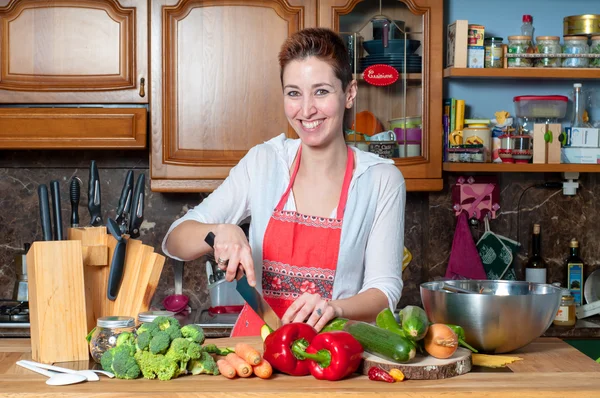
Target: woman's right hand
[{"x": 232, "y": 252}]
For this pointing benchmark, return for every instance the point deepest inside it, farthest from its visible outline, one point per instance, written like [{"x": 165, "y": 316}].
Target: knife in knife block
[{"x": 57, "y": 301}]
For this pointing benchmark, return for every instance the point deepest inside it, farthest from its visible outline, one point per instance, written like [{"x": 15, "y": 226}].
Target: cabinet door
[
  {"x": 216, "y": 90},
  {"x": 415, "y": 51},
  {"x": 73, "y": 51}
]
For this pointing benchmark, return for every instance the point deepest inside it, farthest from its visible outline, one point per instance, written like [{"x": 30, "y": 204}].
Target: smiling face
[{"x": 314, "y": 101}]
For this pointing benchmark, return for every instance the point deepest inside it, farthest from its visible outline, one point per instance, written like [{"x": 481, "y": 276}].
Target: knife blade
[
  {"x": 117, "y": 264},
  {"x": 94, "y": 196},
  {"x": 254, "y": 299},
  {"x": 124, "y": 207},
  {"x": 74, "y": 194},
  {"x": 45, "y": 212},
  {"x": 137, "y": 207},
  {"x": 56, "y": 210}
]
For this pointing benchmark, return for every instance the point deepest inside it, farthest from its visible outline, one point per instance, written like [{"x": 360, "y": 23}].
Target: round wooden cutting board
[{"x": 424, "y": 367}]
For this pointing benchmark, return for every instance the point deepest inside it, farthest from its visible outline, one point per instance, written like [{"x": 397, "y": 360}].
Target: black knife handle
[
  {"x": 137, "y": 206},
  {"x": 94, "y": 195},
  {"x": 74, "y": 194},
  {"x": 117, "y": 266},
  {"x": 45, "y": 212},
  {"x": 210, "y": 239},
  {"x": 56, "y": 214},
  {"x": 125, "y": 199}
]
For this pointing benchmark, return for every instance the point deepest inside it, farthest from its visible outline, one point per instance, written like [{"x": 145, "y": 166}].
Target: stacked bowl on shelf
[{"x": 399, "y": 54}]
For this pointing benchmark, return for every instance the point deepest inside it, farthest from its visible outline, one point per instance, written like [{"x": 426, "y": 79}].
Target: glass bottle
[
  {"x": 527, "y": 26},
  {"x": 575, "y": 272},
  {"x": 578, "y": 107},
  {"x": 565, "y": 316},
  {"x": 536, "y": 266},
  {"x": 106, "y": 332}
]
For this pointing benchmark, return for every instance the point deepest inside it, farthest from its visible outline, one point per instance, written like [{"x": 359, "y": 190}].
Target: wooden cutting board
[{"x": 424, "y": 367}]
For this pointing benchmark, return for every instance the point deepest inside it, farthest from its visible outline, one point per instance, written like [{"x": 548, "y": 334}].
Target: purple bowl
[{"x": 413, "y": 135}]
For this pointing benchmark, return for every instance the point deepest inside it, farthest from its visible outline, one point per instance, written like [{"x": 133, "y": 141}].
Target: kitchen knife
[
  {"x": 94, "y": 195},
  {"x": 56, "y": 214},
  {"x": 137, "y": 207},
  {"x": 254, "y": 299},
  {"x": 74, "y": 194},
  {"x": 45, "y": 212},
  {"x": 124, "y": 208},
  {"x": 117, "y": 265}
]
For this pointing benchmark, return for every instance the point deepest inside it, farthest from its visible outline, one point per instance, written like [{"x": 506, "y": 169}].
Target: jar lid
[
  {"x": 547, "y": 38},
  {"x": 478, "y": 121},
  {"x": 493, "y": 39},
  {"x": 149, "y": 316},
  {"x": 519, "y": 37},
  {"x": 520, "y": 98},
  {"x": 115, "y": 322},
  {"x": 567, "y": 38},
  {"x": 595, "y": 37}
]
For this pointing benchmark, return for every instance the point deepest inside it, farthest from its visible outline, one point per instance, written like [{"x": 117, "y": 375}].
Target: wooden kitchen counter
[{"x": 551, "y": 368}]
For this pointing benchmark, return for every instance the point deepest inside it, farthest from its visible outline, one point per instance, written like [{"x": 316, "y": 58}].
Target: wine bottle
[
  {"x": 575, "y": 272},
  {"x": 536, "y": 266}
]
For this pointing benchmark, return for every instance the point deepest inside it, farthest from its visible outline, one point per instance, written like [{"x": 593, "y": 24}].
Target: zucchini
[
  {"x": 334, "y": 325},
  {"x": 414, "y": 322},
  {"x": 381, "y": 342}
]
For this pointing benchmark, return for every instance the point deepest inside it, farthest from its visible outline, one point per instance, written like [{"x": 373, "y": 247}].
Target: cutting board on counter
[{"x": 424, "y": 367}]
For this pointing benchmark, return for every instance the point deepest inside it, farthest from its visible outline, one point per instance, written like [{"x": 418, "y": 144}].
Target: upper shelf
[
  {"x": 520, "y": 168},
  {"x": 522, "y": 73}
]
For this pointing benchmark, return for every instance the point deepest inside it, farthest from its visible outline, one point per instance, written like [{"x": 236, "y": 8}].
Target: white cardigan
[{"x": 372, "y": 242}]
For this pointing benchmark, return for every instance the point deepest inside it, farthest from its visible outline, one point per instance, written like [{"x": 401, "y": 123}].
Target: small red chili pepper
[{"x": 378, "y": 374}]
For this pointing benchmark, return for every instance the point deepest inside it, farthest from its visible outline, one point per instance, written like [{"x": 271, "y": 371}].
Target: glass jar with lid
[
  {"x": 595, "y": 49},
  {"x": 149, "y": 316},
  {"x": 548, "y": 45},
  {"x": 494, "y": 57},
  {"x": 565, "y": 316},
  {"x": 105, "y": 334},
  {"x": 520, "y": 45},
  {"x": 576, "y": 45}
]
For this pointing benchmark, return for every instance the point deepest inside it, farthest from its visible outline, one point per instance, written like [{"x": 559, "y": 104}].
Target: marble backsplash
[{"x": 429, "y": 228}]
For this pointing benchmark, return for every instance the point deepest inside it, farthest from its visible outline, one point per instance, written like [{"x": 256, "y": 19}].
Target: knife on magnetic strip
[{"x": 254, "y": 299}]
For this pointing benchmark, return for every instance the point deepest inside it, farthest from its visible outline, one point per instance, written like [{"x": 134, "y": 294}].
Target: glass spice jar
[
  {"x": 595, "y": 49},
  {"x": 548, "y": 45},
  {"x": 520, "y": 45},
  {"x": 494, "y": 56},
  {"x": 576, "y": 45},
  {"x": 149, "y": 316},
  {"x": 565, "y": 316},
  {"x": 106, "y": 332}
]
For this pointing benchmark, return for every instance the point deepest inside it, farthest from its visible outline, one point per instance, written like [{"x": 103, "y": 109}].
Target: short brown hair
[{"x": 324, "y": 44}]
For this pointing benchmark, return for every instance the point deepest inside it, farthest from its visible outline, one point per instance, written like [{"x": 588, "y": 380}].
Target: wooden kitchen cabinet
[
  {"x": 66, "y": 64},
  {"x": 215, "y": 86}
]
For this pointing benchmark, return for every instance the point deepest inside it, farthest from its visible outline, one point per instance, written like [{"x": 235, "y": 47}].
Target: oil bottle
[{"x": 575, "y": 272}]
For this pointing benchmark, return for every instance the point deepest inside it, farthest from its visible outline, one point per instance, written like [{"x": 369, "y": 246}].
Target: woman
[{"x": 333, "y": 246}]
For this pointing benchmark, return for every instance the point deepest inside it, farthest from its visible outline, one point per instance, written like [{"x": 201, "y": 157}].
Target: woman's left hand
[{"x": 313, "y": 309}]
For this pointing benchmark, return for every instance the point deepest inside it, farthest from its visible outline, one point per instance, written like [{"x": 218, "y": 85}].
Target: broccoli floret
[
  {"x": 213, "y": 349},
  {"x": 164, "y": 322},
  {"x": 126, "y": 338},
  {"x": 142, "y": 342},
  {"x": 194, "y": 350},
  {"x": 193, "y": 333},
  {"x": 120, "y": 361},
  {"x": 151, "y": 328},
  {"x": 156, "y": 365},
  {"x": 204, "y": 365},
  {"x": 160, "y": 343},
  {"x": 174, "y": 332},
  {"x": 178, "y": 352}
]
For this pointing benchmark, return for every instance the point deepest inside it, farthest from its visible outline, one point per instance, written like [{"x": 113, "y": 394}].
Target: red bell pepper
[
  {"x": 332, "y": 355},
  {"x": 278, "y": 348}
]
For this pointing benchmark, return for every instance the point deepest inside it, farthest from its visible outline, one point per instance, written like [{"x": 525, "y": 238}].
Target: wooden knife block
[{"x": 57, "y": 301}]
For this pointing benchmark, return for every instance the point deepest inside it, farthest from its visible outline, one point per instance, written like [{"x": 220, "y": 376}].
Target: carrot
[
  {"x": 247, "y": 353},
  {"x": 226, "y": 369},
  {"x": 441, "y": 341},
  {"x": 242, "y": 368},
  {"x": 264, "y": 370}
]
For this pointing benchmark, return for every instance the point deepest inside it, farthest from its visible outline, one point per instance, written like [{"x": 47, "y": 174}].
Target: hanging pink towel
[{"x": 464, "y": 262}]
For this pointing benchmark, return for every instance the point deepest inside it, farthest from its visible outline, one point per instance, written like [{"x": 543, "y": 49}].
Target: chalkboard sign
[{"x": 385, "y": 149}]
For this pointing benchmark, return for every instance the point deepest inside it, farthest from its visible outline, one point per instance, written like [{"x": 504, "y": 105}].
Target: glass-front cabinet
[{"x": 396, "y": 54}]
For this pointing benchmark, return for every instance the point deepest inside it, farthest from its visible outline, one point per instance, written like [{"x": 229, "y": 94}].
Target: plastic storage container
[
  {"x": 541, "y": 106},
  {"x": 107, "y": 330},
  {"x": 223, "y": 294}
]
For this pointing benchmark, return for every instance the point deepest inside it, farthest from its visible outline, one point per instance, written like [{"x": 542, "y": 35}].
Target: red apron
[{"x": 300, "y": 254}]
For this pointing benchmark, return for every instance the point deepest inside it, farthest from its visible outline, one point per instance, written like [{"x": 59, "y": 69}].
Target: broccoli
[
  {"x": 120, "y": 361},
  {"x": 160, "y": 343},
  {"x": 156, "y": 365},
  {"x": 194, "y": 350},
  {"x": 213, "y": 349},
  {"x": 165, "y": 322},
  {"x": 193, "y": 333},
  {"x": 151, "y": 328},
  {"x": 204, "y": 365},
  {"x": 142, "y": 342},
  {"x": 178, "y": 352},
  {"x": 126, "y": 338}
]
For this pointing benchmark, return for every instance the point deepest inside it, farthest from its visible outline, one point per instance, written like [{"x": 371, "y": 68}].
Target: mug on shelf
[{"x": 383, "y": 136}]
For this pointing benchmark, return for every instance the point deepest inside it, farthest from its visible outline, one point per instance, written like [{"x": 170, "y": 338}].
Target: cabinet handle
[{"x": 142, "y": 91}]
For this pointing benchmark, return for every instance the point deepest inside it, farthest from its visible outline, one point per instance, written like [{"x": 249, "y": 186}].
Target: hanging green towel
[
  {"x": 495, "y": 256},
  {"x": 514, "y": 247}
]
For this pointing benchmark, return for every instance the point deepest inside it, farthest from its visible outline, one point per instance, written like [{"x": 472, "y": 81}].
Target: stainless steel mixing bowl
[{"x": 507, "y": 316}]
